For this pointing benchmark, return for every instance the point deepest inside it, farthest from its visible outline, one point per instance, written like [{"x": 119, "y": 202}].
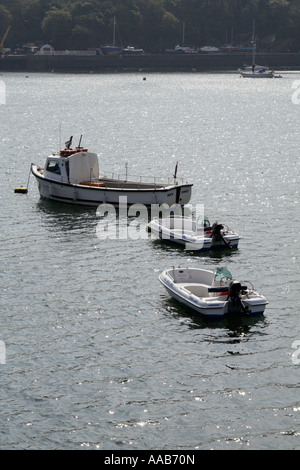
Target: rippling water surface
[{"x": 97, "y": 355}]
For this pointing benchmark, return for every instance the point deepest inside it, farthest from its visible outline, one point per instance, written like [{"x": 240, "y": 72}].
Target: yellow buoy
[{"x": 21, "y": 190}]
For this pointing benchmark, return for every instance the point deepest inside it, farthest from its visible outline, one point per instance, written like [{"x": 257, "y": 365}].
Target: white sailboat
[
  {"x": 256, "y": 71},
  {"x": 184, "y": 49}
]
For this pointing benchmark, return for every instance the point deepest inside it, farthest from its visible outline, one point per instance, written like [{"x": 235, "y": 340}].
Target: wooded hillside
[{"x": 153, "y": 25}]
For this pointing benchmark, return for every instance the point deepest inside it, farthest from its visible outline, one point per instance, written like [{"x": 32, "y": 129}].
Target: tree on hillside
[
  {"x": 152, "y": 24},
  {"x": 57, "y": 27},
  {"x": 88, "y": 25},
  {"x": 5, "y": 20}
]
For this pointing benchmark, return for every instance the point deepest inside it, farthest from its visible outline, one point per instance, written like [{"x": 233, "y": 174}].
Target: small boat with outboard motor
[
  {"x": 212, "y": 293},
  {"x": 72, "y": 176},
  {"x": 195, "y": 235}
]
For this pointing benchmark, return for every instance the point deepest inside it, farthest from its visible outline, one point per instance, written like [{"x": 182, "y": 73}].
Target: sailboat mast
[
  {"x": 254, "y": 44},
  {"x": 114, "y": 32}
]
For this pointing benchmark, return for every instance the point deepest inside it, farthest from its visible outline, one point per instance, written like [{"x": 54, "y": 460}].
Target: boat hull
[
  {"x": 188, "y": 241},
  {"x": 257, "y": 75},
  {"x": 90, "y": 195},
  {"x": 217, "y": 311},
  {"x": 110, "y": 50}
]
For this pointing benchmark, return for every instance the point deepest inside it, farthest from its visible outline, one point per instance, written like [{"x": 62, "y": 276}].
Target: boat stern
[{"x": 256, "y": 304}]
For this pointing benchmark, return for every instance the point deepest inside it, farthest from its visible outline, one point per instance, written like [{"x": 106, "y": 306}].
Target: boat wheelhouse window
[{"x": 53, "y": 166}]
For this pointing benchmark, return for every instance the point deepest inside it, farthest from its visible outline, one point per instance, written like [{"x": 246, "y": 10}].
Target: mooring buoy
[{"x": 21, "y": 190}]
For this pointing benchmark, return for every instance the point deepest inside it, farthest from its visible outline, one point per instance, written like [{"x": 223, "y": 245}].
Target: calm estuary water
[{"x": 94, "y": 353}]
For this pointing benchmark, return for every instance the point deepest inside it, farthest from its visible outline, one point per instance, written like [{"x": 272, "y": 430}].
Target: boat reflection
[
  {"x": 66, "y": 218},
  {"x": 236, "y": 327}
]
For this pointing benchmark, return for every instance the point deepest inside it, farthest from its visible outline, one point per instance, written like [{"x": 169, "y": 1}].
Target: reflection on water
[
  {"x": 217, "y": 254},
  {"x": 234, "y": 327},
  {"x": 66, "y": 217}
]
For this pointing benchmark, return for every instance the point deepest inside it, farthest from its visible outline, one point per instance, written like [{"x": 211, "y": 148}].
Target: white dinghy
[
  {"x": 199, "y": 236},
  {"x": 72, "y": 176},
  {"x": 212, "y": 293}
]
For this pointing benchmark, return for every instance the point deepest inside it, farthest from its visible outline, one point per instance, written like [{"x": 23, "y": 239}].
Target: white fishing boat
[
  {"x": 72, "y": 176},
  {"x": 212, "y": 293},
  {"x": 198, "y": 236}
]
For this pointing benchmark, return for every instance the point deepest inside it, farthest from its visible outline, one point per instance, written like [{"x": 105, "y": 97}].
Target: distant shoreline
[{"x": 147, "y": 62}]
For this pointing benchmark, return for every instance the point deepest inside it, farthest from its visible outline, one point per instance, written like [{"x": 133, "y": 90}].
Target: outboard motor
[
  {"x": 216, "y": 231},
  {"x": 217, "y": 234},
  {"x": 235, "y": 303}
]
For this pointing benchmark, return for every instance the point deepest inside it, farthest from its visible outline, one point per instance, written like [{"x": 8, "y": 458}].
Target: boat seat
[{"x": 201, "y": 290}]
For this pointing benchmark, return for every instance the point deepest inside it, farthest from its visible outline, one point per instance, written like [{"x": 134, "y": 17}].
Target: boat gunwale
[{"x": 35, "y": 171}]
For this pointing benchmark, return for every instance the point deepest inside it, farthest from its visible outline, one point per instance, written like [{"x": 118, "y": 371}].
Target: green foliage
[
  {"x": 151, "y": 24},
  {"x": 57, "y": 27},
  {"x": 5, "y": 18}
]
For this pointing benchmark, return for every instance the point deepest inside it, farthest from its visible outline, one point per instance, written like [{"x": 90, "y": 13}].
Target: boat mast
[
  {"x": 183, "y": 34},
  {"x": 254, "y": 44},
  {"x": 114, "y": 31}
]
